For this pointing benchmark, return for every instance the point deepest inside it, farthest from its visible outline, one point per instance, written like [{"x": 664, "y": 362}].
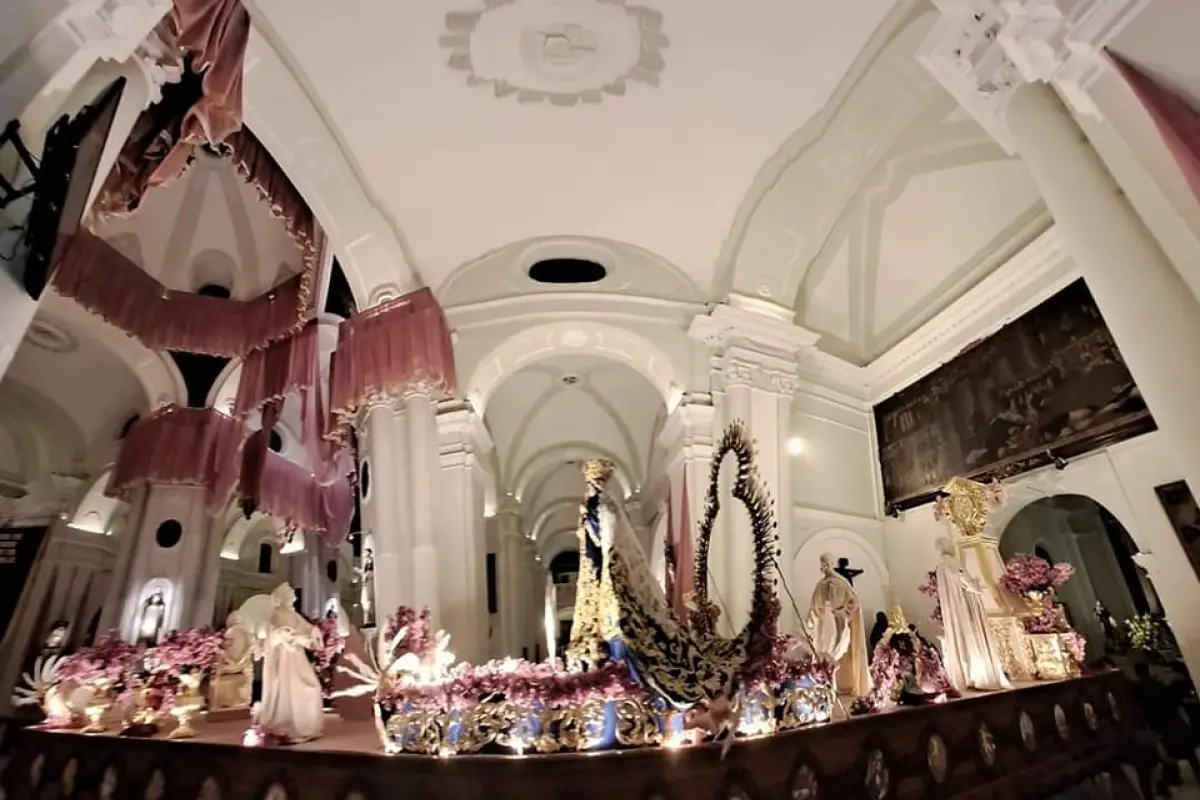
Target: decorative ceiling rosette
[{"x": 551, "y": 51}]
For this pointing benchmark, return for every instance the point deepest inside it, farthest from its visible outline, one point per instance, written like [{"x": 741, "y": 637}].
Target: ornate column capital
[
  {"x": 752, "y": 346},
  {"x": 981, "y": 51},
  {"x": 462, "y": 436}
]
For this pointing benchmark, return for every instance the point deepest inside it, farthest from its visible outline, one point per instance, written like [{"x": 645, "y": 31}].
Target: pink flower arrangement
[
  {"x": 109, "y": 661},
  {"x": 517, "y": 681},
  {"x": 191, "y": 649},
  {"x": 418, "y": 638},
  {"x": 1025, "y": 574},
  {"x": 930, "y": 589},
  {"x": 903, "y": 662}
]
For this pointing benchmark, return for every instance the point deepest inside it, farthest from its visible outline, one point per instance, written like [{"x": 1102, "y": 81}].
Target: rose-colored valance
[
  {"x": 180, "y": 447},
  {"x": 387, "y": 350},
  {"x": 1178, "y": 122},
  {"x": 108, "y": 284},
  {"x": 204, "y": 107},
  {"x": 202, "y": 447}
]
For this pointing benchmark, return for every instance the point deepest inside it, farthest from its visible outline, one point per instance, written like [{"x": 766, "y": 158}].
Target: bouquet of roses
[
  {"x": 1025, "y": 574},
  {"x": 418, "y": 637},
  {"x": 108, "y": 661}
]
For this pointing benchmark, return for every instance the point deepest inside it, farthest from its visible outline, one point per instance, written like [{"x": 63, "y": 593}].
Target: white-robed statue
[
  {"x": 292, "y": 706},
  {"x": 972, "y": 654},
  {"x": 835, "y": 623}
]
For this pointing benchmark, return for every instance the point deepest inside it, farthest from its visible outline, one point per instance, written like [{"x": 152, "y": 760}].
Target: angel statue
[
  {"x": 231, "y": 685},
  {"x": 380, "y": 670},
  {"x": 292, "y": 705},
  {"x": 60, "y": 701}
]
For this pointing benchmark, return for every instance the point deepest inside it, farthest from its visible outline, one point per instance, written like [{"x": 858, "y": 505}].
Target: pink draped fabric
[
  {"x": 298, "y": 496},
  {"x": 108, "y": 284},
  {"x": 387, "y": 349},
  {"x": 205, "y": 107},
  {"x": 684, "y": 557},
  {"x": 1178, "y": 122},
  {"x": 180, "y": 447}
]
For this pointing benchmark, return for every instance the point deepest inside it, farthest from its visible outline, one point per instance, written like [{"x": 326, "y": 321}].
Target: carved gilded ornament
[{"x": 967, "y": 504}]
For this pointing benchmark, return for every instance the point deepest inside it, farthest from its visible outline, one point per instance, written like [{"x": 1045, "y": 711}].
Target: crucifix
[{"x": 844, "y": 569}]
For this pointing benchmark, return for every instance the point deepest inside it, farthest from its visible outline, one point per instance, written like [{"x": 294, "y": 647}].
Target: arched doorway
[{"x": 1077, "y": 530}]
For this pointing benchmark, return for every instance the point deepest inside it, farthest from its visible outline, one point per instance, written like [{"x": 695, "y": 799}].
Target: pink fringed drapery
[
  {"x": 180, "y": 447},
  {"x": 1178, "y": 122},
  {"x": 108, "y": 284},
  {"x": 298, "y": 496},
  {"x": 205, "y": 107},
  {"x": 387, "y": 349}
]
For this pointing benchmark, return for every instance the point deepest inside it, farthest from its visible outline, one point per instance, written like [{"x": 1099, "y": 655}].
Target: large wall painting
[
  {"x": 1181, "y": 508},
  {"x": 1049, "y": 385}
]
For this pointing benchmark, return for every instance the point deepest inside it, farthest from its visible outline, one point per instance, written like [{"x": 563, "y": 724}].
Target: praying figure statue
[
  {"x": 292, "y": 706},
  {"x": 835, "y": 623},
  {"x": 232, "y": 682},
  {"x": 972, "y": 654}
]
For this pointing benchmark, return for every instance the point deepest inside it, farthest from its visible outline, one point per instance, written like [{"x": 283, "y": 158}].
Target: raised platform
[{"x": 1029, "y": 742}]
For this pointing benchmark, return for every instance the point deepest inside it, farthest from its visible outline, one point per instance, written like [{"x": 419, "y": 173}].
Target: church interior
[{"x": 788, "y": 399}]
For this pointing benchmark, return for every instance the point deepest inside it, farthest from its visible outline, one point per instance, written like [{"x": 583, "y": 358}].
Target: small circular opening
[
  {"x": 168, "y": 533},
  {"x": 331, "y": 571},
  {"x": 215, "y": 290},
  {"x": 275, "y": 442},
  {"x": 364, "y": 480},
  {"x": 567, "y": 271}
]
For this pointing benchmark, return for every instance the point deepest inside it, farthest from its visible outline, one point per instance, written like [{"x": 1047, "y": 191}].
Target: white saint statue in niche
[
  {"x": 151, "y": 624},
  {"x": 835, "y": 623},
  {"x": 972, "y": 653},
  {"x": 292, "y": 706}
]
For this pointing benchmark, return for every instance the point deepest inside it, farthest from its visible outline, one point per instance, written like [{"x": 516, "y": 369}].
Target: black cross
[{"x": 844, "y": 569}]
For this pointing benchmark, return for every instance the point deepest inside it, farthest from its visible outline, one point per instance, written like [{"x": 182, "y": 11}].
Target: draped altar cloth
[{"x": 972, "y": 653}]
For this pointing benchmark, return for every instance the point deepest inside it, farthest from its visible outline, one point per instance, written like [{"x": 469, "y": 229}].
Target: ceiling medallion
[
  {"x": 562, "y": 52},
  {"x": 47, "y": 336}
]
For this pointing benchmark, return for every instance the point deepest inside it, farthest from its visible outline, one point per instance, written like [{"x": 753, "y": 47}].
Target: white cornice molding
[
  {"x": 559, "y": 306},
  {"x": 981, "y": 51},
  {"x": 1036, "y": 272}
]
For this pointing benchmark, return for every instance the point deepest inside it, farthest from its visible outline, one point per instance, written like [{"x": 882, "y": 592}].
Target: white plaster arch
[
  {"x": 560, "y": 541},
  {"x": 156, "y": 372},
  {"x": 548, "y": 512},
  {"x": 873, "y": 586},
  {"x": 49, "y": 438},
  {"x": 284, "y": 116},
  {"x": 244, "y": 532},
  {"x": 573, "y": 338},
  {"x": 95, "y": 511},
  {"x": 551, "y": 458}
]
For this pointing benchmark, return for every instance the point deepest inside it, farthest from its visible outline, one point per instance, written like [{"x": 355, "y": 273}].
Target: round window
[
  {"x": 168, "y": 534},
  {"x": 364, "y": 479},
  {"x": 275, "y": 442}
]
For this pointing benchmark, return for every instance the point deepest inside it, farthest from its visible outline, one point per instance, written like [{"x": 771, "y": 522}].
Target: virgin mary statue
[
  {"x": 292, "y": 705},
  {"x": 972, "y": 653}
]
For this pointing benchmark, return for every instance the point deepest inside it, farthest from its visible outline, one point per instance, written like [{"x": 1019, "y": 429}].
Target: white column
[
  {"x": 754, "y": 350},
  {"x": 420, "y": 466},
  {"x": 385, "y": 509},
  {"x": 511, "y": 573},
  {"x": 1143, "y": 299},
  {"x": 461, "y": 537},
  {"x": 204, "y": 610},
  {"x": 169, "y": 570}
]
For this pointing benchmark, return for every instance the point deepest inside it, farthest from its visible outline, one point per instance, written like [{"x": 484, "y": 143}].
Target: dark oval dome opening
[
  {"x": 275, "y": 442},
  {"x": 567, "y": 270},
  {"x": 214, "y": 290}
]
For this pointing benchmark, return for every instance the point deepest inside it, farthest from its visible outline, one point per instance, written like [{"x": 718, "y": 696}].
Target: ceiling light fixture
[{"x": 796, "y": 446}]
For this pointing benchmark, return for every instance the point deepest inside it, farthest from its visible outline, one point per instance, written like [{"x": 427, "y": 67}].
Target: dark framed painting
[
  {"x": 1181, "y": 508},
  {"x": 1049, "y": 385}
]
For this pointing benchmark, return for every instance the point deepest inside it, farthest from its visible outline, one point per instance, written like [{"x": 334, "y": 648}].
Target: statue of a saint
[
  {"x": 231, "y": 685},
  {"x": 151, "y": 624},
  {"x": 1111, "y": 643},
  {"x": 292, "y": 706},
  {"x": 367, "y": 598},
  {"x": 846, "y": 571},
  {"x": 835, "y": 623},
  {"x": 972, "y": 655}
]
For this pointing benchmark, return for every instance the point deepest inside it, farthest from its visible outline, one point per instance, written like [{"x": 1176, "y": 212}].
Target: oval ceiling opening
[{"x": 567, "y": 271}]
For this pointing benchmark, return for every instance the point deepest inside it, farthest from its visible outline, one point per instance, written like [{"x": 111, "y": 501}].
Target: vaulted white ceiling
[{"x": 476, "y": 123}]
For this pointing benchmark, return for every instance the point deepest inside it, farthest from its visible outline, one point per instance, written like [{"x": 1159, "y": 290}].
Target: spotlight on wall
[
  {"x": 796, "y": 446},
  {"x": 1060, "y": 463}
]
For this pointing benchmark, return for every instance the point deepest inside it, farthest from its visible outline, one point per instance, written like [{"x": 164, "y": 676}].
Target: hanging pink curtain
[
  {"x": 684, "y": 557},
  {"x": 1178, "y": 122},
  {"x": 180, "y": 447},
  {"x": 298, "y": 496},
  {"x": 205, "y": 107},
  {"x": 385, "y": 350},
  {"x": 108, "y": 284}
]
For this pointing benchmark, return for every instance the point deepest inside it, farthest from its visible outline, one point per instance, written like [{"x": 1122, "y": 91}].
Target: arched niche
[
  {"x": 872, "y": 585},
  {"x": 1078, "y": 530}
]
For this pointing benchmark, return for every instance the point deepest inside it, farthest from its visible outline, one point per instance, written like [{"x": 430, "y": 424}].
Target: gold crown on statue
[{"x": 597, "y": 471}]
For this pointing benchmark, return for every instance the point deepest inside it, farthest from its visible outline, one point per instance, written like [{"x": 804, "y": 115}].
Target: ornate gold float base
[
  {"x": 1052, "y": 660},
  {"x": 1014, "y": 651}
]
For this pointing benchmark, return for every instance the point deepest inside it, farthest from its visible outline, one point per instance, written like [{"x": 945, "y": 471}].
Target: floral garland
[
  {"x": 1025, "y": 574},
  {"x": 930, "y": 589},
  {"x": 903, "y": 664},
  {"x": 333, "y": 644},
  {"x": 418, "y": 636},
  {"x": 108, "y": 661}
]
